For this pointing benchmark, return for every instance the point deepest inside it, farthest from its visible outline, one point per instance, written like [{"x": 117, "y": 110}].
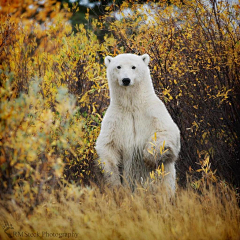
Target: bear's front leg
[{"x": 109, "y": 159}]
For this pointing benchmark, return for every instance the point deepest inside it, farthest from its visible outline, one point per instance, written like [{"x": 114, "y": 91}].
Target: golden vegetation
[
  {"x": 54, "y": 93},
  {"x": 122, "y": 214}
]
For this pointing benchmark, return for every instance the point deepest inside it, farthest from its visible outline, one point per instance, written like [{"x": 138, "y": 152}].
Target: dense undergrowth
[
  {"x": 54, "y": 94},
  {"x": 85, "y": 213}
]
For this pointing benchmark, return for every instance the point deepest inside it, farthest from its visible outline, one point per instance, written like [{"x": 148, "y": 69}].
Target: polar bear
[{"x": 135, "y": 115}]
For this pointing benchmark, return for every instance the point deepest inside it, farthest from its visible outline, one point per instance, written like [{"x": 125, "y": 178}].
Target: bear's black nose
[{"x": 126, "y": 81}]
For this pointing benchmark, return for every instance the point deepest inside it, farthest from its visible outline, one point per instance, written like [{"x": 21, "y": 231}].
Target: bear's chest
[{"x": 134, "y": 129}]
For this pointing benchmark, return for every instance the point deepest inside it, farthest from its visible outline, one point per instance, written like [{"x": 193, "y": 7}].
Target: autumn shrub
[
  {"x": 35, "y": 141},
  {"x": 195, "y": 63},
  {"x": 52, "y": 90},
  {"x": 48, "y": 52}
]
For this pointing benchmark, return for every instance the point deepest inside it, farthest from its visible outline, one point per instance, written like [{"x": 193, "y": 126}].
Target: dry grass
[{"x": 213, "y": 214}]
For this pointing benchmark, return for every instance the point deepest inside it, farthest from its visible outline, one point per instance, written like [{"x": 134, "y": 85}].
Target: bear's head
[{"x": 127, "y": 69}]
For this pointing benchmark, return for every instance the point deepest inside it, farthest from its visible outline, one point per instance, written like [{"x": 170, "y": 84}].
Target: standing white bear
[{"x": 134, "y": 116}]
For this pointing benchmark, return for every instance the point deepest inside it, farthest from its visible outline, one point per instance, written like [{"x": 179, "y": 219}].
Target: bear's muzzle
[{"x": 126, "y": 81}]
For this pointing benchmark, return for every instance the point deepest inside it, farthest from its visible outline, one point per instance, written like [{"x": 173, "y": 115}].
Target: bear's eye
[
  {"x": 133, "y": 67},
  {"x": 118, "y": 67}
]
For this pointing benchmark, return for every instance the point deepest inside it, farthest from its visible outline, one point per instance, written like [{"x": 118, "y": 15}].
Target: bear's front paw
[
  {"x": 149, "y": 159},
  {"x": 153, "y": 158}
]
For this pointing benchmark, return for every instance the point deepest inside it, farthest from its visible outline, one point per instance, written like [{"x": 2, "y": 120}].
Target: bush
[{"x": 52, "y": 91}]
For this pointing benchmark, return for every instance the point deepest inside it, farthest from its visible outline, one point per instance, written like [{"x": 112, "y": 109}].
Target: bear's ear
[
  {"x": 145, "y": 58},
  {"x": 107, "y": 60}
]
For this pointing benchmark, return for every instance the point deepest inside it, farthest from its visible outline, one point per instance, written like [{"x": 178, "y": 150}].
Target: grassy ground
[{"x": 85, "y": 213}]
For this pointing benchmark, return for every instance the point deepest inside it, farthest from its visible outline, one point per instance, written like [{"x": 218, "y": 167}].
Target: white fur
[{"x": 134, "y": 115}]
